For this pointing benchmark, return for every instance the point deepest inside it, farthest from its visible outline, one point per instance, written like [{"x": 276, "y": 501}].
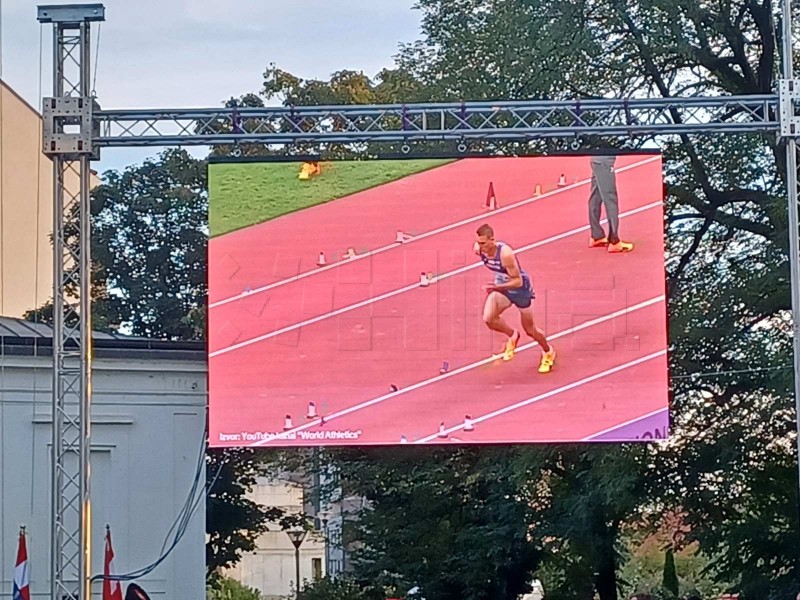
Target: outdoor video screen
[{"x": 481, "y": 300}]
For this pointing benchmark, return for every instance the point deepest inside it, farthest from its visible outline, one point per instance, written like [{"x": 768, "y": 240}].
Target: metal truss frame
[
  {"x": 70, "y": 549},
  {"x": 524, "y": 120}
]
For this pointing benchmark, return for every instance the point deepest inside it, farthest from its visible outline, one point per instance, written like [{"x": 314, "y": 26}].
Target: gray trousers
[{"x": 604, "y": 191}]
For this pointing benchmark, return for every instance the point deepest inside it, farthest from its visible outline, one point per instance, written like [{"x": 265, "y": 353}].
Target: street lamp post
[
  {"x": 297, "y": 536},
  {"x": 324, "y": 516}
]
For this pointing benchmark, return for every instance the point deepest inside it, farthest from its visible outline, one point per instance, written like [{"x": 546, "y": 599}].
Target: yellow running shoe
[
  {"x": 597, "y": 243},
  {"x": 511, "y": 346},
  {"x": 548, "y": 358},
  {"x": 620, "y": 247}
]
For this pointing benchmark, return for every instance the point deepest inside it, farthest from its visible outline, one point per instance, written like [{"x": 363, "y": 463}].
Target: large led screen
[{"x": 484, "y": 300}]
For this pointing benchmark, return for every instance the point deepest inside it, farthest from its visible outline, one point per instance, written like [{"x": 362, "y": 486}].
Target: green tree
[
  {"x": 726, "y": 226},
  {"x": 476, "y": 523},
  {"x": 584, "y": 497},
  {"x": 233, "y": 521},
  {"x": 450, "y": 522},
  {"x": 337, "y": 589},
  {"x": 238, "y": 123},
  {"x": 342, "y": 88},
  {"x": 149, "y": 235}
]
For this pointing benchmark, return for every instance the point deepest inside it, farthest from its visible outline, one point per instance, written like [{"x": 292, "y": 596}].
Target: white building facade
[
  {"x": 148, "y": 428},
  {"x": 271, "y": 569}
]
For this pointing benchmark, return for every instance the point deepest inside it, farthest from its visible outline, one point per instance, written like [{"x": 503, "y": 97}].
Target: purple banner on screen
[{"x": 654, "y": 426}]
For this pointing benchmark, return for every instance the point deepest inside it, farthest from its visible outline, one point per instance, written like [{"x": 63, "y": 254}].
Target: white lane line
[
  {"x": 453, "y": 373},
  {"x": 549, "y": 394},
  {"x": 421, "y": 236},
  {"x": 413, "y": 286},
  {"x": 625, "y": 424}
]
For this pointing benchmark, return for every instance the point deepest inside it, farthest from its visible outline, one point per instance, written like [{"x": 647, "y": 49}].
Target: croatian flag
[
  {"x": 112, "y": 590},
  {"x": 21, "y": 589}
]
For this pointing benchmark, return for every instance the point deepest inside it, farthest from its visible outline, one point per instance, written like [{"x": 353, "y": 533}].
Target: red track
[{"x": 340, "y": 336}]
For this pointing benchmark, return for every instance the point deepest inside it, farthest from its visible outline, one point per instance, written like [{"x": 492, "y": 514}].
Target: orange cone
[{"x": 491, "y": 198}]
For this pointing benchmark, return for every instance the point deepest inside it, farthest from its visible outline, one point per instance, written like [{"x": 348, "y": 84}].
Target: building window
[{"x": 316, "y": 567}]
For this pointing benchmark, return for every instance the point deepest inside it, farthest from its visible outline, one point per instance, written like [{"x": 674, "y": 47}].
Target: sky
[{"x": 197, "y": 53}]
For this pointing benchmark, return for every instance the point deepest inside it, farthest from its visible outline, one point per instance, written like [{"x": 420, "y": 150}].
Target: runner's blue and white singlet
[{"x": 495, "y": 264}]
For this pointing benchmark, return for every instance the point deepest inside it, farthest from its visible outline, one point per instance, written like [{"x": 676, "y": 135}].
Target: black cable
[
  {"x": 736, "y": 372},
  {"x": 180, "y": 525}
]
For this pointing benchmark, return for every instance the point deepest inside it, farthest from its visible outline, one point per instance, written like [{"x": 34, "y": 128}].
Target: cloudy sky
[{"x": 193, "y": 53}]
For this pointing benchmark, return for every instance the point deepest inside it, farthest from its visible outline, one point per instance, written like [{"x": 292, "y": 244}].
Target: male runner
[{"x": 511, "y": 286}]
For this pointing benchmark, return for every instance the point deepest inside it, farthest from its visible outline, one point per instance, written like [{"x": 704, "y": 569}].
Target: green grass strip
[{"x": 243, "y": 194}]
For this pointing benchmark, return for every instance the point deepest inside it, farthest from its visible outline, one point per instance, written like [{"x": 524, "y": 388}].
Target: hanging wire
[
  {"x": 181, "y": 523},
  {"x": 96, "y": 57},
  {"x": 192, "y": 492},
  {"x": 38, "y": 158},
  {"x": 2, "y": 286},
  {"x": 735, "y": 372}
]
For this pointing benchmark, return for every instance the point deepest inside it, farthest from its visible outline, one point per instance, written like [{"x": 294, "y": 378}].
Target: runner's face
[{"x": 486, "y": 244}]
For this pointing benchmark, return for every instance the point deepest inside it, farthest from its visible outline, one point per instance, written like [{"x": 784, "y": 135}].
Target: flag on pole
[
  {"x": 112, "y": 590},
  {"x": 21, "y": 590}
]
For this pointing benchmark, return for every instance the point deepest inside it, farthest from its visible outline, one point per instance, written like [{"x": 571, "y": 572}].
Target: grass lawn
[{"x": 243, "y": 194}]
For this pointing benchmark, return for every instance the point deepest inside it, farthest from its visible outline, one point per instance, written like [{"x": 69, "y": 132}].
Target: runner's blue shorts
[{"x": 521, "y": 297}]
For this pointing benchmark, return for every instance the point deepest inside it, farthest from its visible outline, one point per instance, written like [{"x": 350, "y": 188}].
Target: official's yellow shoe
[
  {"x": 511, "y": 346},
  {"x": 620, "y": 247},
  {"x": 548, "y": 359},
  {"x": 597, "y": 243}
]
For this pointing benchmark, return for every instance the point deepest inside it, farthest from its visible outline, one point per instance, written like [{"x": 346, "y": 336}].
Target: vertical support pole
[
  {"x": 70, "y": 106},
  {"x": 794, "y": 224},
  {"x": 85, "y": 275}
]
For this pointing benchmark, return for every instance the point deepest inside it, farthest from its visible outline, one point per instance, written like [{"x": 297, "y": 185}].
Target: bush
[
  {"x": 226, "y": 588},
  {"x": 337, "y": 589}
]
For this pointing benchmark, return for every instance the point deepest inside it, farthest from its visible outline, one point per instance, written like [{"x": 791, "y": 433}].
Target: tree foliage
[
  {"x": 149, "y": 245},
  {"x": 234, "y": 521},
  {"x": 149, "y": 235},
  {"x": 226, "y": 588},
  {"x": 340, "y": 588},
  {"x": 451, "y": 523}
]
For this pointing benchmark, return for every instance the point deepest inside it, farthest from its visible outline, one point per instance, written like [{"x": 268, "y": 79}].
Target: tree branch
[
  {"x": 762, "y": 16},
  {"x": 687, "y": 256},
  {"x": 652, "y": 70}
]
